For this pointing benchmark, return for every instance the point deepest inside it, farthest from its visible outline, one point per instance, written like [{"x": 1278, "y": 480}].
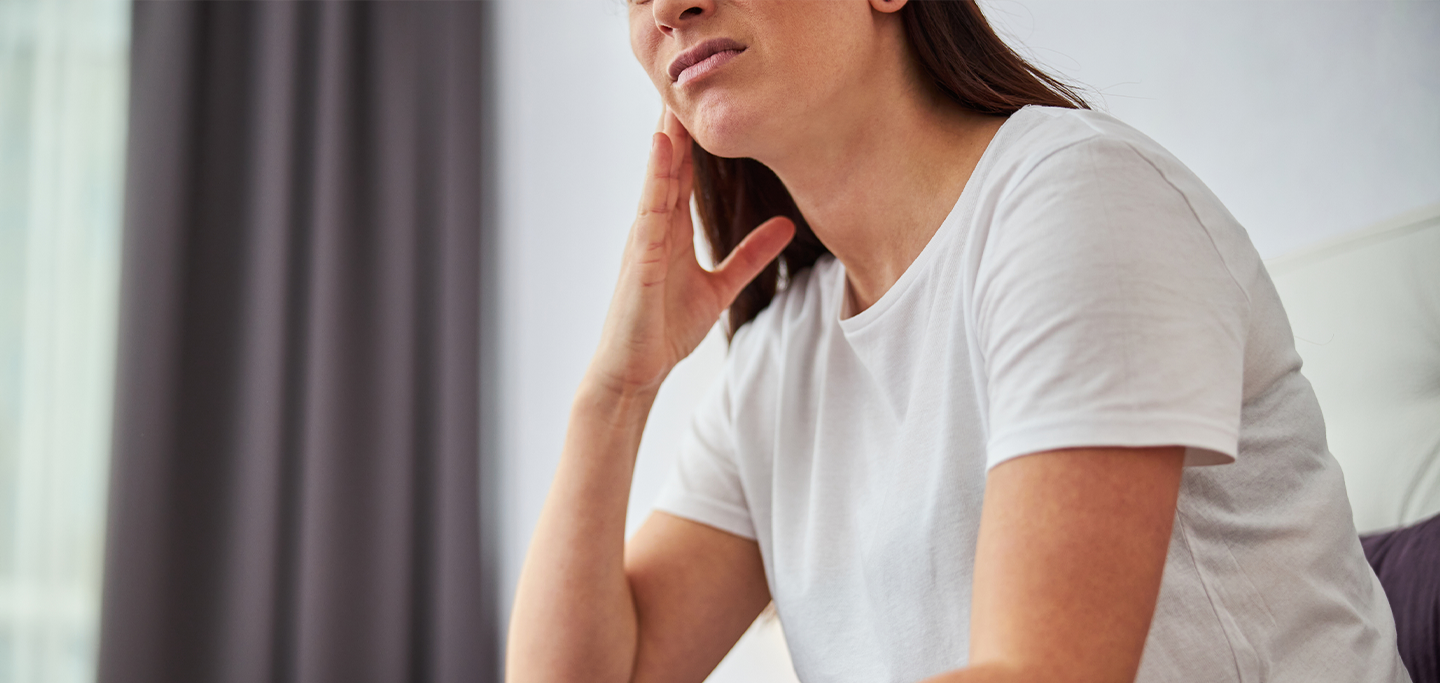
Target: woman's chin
[
  {"x": 726, "y": 134},
  {"x": 720, "y": 149},
  {"x": 728, "y": 144}
]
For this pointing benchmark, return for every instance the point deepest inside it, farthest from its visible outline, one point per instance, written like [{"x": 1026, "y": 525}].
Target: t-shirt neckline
[{"x": 922, "y": 261}]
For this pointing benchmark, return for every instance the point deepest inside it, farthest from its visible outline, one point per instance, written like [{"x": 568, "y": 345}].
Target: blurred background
[{"x": 293, "y": 297}]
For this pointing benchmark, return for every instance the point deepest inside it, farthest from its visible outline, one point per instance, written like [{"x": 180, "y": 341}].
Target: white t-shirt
[{"x": 1086, "y": 290}]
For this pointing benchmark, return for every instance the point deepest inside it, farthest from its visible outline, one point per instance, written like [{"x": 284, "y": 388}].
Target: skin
[{"x": 1072, "y": 543}]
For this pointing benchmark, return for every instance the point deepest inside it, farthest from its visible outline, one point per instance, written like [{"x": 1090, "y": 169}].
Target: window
[{"x": 63, "y": 82}]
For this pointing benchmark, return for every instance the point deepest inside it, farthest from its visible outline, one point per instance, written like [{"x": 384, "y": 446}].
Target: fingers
[
  {"x": 751, "y": 256},
  {"x": 655, "y": 194},
  {"x": 657, "y": 199},
  {"x": 675, "y": 130},
  {"x": 687, "y": 171},
  {"x": 682, "y": 168},
  {"x": 682, "y": 225},
  {"x": 672, "y": 195}
]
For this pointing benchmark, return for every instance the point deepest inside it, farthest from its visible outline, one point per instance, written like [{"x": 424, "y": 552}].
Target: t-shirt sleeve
[
  {"x": 1105, "y": 314},
  {"x": 705, "y": 485}
]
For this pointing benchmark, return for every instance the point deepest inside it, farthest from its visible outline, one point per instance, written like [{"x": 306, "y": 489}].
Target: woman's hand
[
  {"x": 665, "y": 302},
  {"x": 582, "y": 610}
]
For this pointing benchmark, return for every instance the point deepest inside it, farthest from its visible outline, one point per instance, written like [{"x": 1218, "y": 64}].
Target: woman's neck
[{"x": 876, "y": 182}]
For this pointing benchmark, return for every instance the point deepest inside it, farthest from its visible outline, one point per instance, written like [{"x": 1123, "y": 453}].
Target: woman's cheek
[{"x": 645, "y": 45}]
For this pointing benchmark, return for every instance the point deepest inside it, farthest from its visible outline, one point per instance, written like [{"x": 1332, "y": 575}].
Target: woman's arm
[
  {"x": 1068, "y": 564},
  {"x": 588, "y": 609},
  {"x": 667, "y": 607}
]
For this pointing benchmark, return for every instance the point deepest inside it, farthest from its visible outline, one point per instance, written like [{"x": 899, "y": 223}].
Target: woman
[{"x": 1025, "y": 408}]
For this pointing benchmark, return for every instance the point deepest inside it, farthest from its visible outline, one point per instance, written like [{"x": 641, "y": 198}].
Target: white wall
[{"x": 1308, "y": 118}]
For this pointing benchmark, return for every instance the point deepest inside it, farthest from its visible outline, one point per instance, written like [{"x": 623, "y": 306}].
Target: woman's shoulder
[
  {"x": 1078, "y": 155},
  {"x": 1051, "y": 128},
  {"x": 1061, "y": 139}
]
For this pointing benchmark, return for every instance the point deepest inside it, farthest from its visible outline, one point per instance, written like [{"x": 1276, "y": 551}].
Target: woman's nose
[{"x": 677, "y": 14}]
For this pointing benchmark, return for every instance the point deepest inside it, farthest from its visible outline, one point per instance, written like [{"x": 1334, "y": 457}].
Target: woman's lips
[
  {"x": 703, "y": 58},
  {"x": 706, "y": 66}
]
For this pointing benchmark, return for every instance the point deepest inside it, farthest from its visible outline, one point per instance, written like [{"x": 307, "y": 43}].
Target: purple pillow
[{"x": 1407, "y": 560}]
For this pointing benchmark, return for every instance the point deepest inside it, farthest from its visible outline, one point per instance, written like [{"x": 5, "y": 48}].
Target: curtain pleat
[{"x": 295, "y": 489}]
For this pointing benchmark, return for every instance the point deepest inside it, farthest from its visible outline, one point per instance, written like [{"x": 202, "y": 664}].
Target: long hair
[{"x": 965, "y": 59}]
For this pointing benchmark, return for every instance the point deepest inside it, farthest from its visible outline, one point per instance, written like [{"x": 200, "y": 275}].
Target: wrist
[
  {"x": 601, "y": 382},
  {"x": 615, "y": 401}
]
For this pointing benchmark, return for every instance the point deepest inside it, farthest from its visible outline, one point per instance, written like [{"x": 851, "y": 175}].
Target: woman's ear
[{"x": 887, "y": 6}]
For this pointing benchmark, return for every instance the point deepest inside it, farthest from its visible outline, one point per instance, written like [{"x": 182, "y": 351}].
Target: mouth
[{"x": 702, "y": 59}]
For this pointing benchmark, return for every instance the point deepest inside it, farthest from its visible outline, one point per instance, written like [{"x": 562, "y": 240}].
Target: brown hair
[{"x": 966, "y": 60}]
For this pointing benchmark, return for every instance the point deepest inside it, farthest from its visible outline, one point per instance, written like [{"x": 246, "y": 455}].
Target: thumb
[{"x": 751, "y": 256}]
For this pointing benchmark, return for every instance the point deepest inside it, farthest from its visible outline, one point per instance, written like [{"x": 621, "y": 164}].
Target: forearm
[{"x": 574, "y": 617}]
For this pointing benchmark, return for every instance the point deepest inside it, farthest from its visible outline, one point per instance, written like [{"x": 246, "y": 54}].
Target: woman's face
[{"x": 748, "y": 77}]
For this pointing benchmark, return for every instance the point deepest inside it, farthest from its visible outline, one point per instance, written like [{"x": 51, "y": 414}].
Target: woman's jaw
[
  {"x": 719, "y": 97},
  {"x": 751, "y": 78}
]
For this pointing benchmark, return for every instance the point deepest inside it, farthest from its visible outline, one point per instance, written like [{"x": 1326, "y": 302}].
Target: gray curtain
[{"x": 296, "y": 478}]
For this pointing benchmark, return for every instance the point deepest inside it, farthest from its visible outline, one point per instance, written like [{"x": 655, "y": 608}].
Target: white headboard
[{"x": 1366, "y": 314}]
